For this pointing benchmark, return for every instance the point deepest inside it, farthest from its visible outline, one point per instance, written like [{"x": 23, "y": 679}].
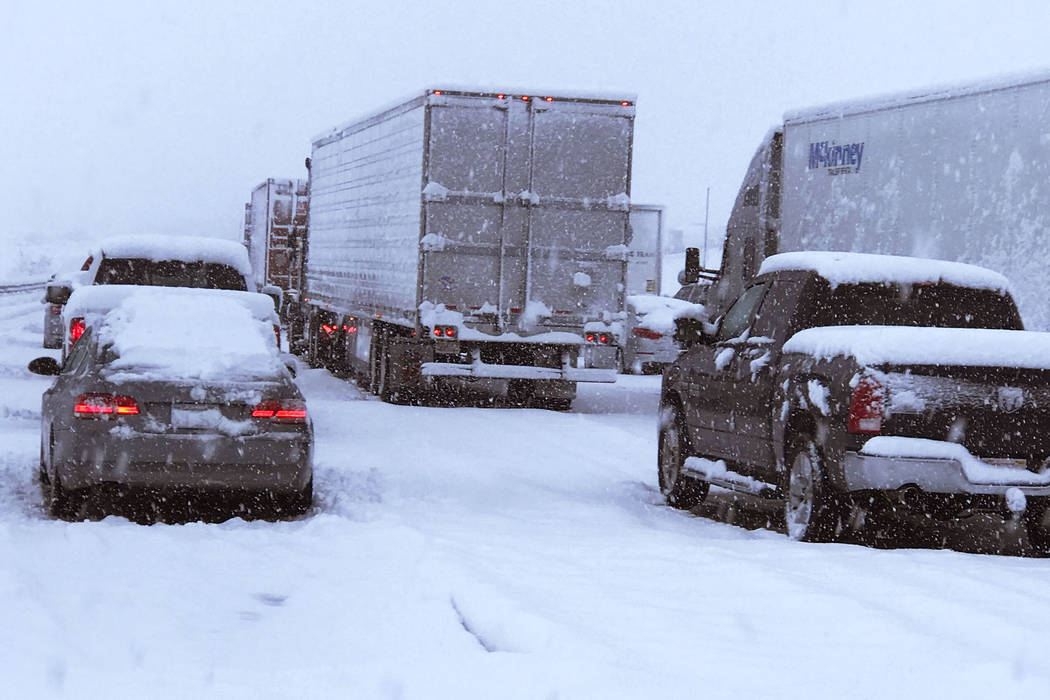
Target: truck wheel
[
  {"x": 1038, "y": 532},
  {"x": 313, "y": 358},
  {"x": 679, "y": 491},
  {"x": 811, "y": 509}
]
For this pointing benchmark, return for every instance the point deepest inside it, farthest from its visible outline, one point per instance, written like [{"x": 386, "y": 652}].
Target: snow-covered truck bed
[
  {"x": 956, "y": 173},
  {"x": 472, "y": 235}
]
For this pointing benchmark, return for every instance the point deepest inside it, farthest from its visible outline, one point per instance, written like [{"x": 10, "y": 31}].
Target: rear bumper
[
  {"x": 275, "y": 462},
  {"x": 487, "y": 371},
  {"x": 865, "y": 472}
]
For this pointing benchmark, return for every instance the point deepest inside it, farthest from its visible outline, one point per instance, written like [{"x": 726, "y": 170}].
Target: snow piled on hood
[
  {"x": 176, "y": 336},
  {"x": 184, "y": 248},
  {"x": 658, "y": 313},
  {"x": 853, "y": 268},
  {"x": 905, "y": 345}
]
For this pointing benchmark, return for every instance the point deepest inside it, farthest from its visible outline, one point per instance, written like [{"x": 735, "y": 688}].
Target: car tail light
[
  {"x": 446, "y": 332},
  {"x": 277, "y": 333},
  {"x": 865, "y": 407},
  {"x": 76, "y": 329},
  {"x": 104, "y": 406},
  {"x": 87, "y": 263},
  {"x": 592, "y": 338},
  {"x": 647, "y": 333},
  {"x": 329, "y": 329},
  {"x": 604, "y": 338},
  {"x": 281, "y": 410}
]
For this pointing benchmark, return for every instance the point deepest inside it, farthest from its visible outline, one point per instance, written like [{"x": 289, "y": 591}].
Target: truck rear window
[
  {"x": 937, "y": 305},
  {"x": 169, "y": 273}
]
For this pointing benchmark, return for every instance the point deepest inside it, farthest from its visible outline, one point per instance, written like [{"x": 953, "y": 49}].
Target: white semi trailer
[
  {"x": 959, "y": 173},
  {"x": 472, "y": 236}
]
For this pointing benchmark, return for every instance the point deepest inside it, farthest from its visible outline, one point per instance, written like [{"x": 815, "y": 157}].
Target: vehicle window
[
  {"x": 218, "y": 276},
  {"x": 122, "y": 271},
  {"x": 78, "y": 355},
  {"x": 699, "y": 295},
  {"x": 738, "y": 318},
  {"x": 169, "y": 273},
  {"x": 938, "y": 305},
  {"x": 685, "y": 292},
  {"x": 773, "y": 319}
]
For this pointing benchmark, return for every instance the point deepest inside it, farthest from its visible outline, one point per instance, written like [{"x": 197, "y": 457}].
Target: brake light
[
  {"x": 591, "y": 337},
  {"x": 328, "y": 329},
  {"x": 76, "y": 329},
  {"x": 104, "y": 405},
  {"x": 647, "y": 333},
  {"x": 865, "y": 407},
  {"x": 449, "y": 332},
  {"x": 281, "y": 411},
  {"x": 604, "y": 338},
  {"x": 87, "y": 263}
]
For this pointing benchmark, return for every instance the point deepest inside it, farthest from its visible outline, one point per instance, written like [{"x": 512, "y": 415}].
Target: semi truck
[
  {"x": 274, "y": 229},
  {"x": 959, "y": 173},
  {"x": 471, "y": 237}
]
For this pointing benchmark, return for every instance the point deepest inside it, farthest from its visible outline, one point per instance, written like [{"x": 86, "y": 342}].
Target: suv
[{"x": 162, "y": 261}]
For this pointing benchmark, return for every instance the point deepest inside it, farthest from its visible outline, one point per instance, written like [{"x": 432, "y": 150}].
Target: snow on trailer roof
[
  {"x": 854, "y": 268},
  {"x": 418, "y": 99},
  {"x": 165, "y": 333},
  {"x": 185, "y": 248},
  {"x": 844, "y": 108},
  {"x": 99, "y": 299}
]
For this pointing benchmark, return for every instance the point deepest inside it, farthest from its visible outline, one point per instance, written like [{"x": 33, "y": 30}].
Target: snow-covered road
[{"x": 484, "y": 553}]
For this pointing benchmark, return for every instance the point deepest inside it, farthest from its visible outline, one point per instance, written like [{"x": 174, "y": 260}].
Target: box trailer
[
  {"x": 472, "y": 236},
  {"x": 274, "y": 229},
  {"x": 957, "y": 173},
  {"x": 645, "y": 249}
]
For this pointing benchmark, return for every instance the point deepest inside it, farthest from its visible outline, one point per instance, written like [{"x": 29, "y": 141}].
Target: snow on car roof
[
  {"x": 186, "y": 248},
  {"x": 168, "y": 333},
  {"x": 908, "y": 345},
  {"x": 94, "y": 300},
  {"x": 853, "y": 268}
]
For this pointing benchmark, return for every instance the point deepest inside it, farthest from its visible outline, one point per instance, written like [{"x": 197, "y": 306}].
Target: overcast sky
[{"x": 126, "y": 117}]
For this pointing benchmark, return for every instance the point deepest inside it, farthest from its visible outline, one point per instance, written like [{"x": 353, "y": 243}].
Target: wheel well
[{"x": 799, "y": 423}]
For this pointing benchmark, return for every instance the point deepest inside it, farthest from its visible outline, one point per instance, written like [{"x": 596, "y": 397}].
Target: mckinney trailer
[
  {"x": 472, "y": 236},
  {"x": 274, "y": 230},
  {"x": 960, "y": 173}
]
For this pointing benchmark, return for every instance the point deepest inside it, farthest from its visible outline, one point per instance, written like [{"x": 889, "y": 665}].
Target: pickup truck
[{"x": 859, "y": 389}]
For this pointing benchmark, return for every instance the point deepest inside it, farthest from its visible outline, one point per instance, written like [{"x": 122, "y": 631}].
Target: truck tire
[
  {"x": 812, "y": 511},
  {"x": 679, "y": 491}
]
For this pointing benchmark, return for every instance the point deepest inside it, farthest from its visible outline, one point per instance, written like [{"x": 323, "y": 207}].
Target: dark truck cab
[{"x": 859, "y": 387}]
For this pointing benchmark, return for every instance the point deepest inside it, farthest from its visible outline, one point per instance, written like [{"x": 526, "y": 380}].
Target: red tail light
[
  {"x": 449, "y": 332},
  {"x": 329, "y": 330},
  {"x": 591, "y": 337},
  {"x": 437, "y": 332},
  {"x": 76, "y": 329},
  {"x": 104, "y": 406},
  {"x": 281, "y": 411},
  {"x": 277, "y": 332},
  {"x": 87, "y": 263},
  {"x": 604, "y": 338},
  {"x": 647, "y": 333},
  {"x": 865, "y": 407}
]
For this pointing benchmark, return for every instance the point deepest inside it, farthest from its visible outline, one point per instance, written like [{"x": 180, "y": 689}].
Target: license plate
[{"x": 189, "y": 416}]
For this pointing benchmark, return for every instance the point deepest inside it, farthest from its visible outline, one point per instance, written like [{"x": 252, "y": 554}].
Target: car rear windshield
[
  {"x": 169, "y": 273},
  {"x": 938, "y": 305}
]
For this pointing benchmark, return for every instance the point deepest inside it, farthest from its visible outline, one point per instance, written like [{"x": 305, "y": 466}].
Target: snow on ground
[{"x": 484, "y": 553}]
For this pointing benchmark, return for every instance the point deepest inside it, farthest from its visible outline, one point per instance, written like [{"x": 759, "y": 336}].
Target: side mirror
[
  {"x": 47, "y": 366},
  {"x": 290, "y": 362},
  {"x": 691, "y": 273},
  {"x": 57, "y": 293},
  {"x": 275, "y": 293}
]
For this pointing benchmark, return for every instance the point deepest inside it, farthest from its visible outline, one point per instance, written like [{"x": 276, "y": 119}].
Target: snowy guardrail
[{"x": 22, "y": 287}]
